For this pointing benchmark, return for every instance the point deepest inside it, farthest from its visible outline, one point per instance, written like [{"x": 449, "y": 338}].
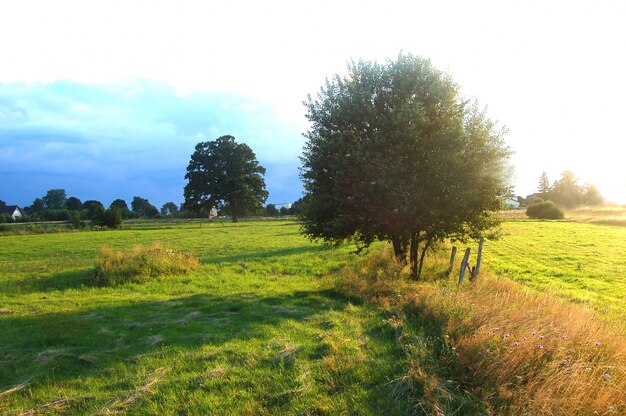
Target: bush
[
  {"x": 141, "y": 264},
  {"x": 545, "y": 210}
]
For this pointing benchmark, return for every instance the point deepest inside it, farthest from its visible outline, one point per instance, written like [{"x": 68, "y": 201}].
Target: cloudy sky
[{"x": 107, "y": 99}]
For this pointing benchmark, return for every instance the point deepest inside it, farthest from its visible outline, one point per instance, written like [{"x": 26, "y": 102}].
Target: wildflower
[
  {"x": 524, "y": 338},
  {"x": 534, "y": 333},
  {"x": 598, "y": 343},
  {"x": 517, "y": 344},
  {"x": 507, "y": 335},
  {"x": 540, "y": 346},
  {"x": 540, "y": 336},
  {"x": 447, "y": 336},
  {"x": 564, "y": 336},
  {"x": 496, "y": 329}
]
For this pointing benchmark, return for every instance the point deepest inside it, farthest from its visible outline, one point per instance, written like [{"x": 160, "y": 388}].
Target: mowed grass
[
  {"x": 259, "y": 329},
  {"x": 582, "y": 262}
]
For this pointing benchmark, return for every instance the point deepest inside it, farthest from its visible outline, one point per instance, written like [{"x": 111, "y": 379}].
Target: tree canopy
[
  {"x": 395, "y": 154},
  {"x": 225, "y": 175}
]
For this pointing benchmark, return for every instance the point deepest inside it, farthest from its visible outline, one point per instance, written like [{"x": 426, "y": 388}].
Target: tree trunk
[
  {"x": 414, "y": 251},
  {"x": 235, "y": 218},
  {"x": 398, "y": 250}
]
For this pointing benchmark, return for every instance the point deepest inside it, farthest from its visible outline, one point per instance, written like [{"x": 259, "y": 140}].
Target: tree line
[{"x": 566, "y": 192}]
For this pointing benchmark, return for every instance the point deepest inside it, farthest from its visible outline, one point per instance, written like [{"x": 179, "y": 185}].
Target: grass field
[
  {"x": 260, "y": 329},
  {"x": 582, "y": 262}
]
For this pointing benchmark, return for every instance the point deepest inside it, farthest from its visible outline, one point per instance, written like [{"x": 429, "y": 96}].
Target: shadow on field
[
  {"x": 65, "y": 346},
  {"x": 264, "y": 254},
  {"x": 57, "y": 281}
]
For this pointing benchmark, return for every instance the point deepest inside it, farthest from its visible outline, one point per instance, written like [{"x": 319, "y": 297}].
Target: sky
[{"x": 107, "y": 99}]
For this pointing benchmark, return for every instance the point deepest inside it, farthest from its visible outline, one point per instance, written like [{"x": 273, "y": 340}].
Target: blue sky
[
  {"x": 107, "y": 99},
  {"x": 108, "y": 141}
]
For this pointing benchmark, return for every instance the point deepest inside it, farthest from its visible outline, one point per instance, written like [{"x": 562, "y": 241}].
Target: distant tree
[
  {"x": 271, "y": 211},
  {"x": 225, "y": 175},
  {"x": 144, "y": 208},
  {"x": 38, "y": 206},
  {"x": 394, "y": 153},
  {"x": 122, "y": 206},
  {"x": 544, "y": 186},
  {"x": 55, "y": 199},
  {"x": 296, "y": 207},
  {"x": 2, "y": 204},
  {"x": 284, "y": 210},
  {"x": 591, "y": 195},
  {"x": 169, "y": 208},
  {"x": 93, "y": 209},
  {"x": 73, "y": 204},
  {"x": 566, "y": 191},
  {"x": 110, "y": 218}
]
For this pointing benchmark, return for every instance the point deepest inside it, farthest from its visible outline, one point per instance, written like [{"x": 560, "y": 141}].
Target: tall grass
[
  {"x": 141, "y": 263},
  {"x": 495, "y": 347}
]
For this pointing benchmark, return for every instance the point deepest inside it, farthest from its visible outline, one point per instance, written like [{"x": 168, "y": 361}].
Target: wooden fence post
[
  {"x": 479, "y": 257},
  {"x": 452, "y": 259},
  {"x": 464, "y": 265}
]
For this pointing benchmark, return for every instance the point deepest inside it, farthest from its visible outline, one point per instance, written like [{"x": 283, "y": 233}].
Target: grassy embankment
[{"x": 266, "y": 327}]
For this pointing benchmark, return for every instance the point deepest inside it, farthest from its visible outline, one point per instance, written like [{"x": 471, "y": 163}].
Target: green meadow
[
  {"x": 261, "y": 328},
  {"x": 583, "y": 262}
]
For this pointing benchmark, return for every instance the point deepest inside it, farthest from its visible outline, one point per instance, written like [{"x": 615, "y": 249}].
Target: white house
[{"x": 13, "y": 210}]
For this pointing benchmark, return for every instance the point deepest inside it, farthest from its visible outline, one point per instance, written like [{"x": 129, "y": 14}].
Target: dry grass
[
  {"x": 516, "y": 350},
  {"x": 141, "y": 264},
  {"x": 606, "y": 214},
  {"x": 121, "y": 405}
]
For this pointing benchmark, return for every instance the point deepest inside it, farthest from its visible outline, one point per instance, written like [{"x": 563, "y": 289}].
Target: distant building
[
  {"x": 511, "y": 203},
  {"x": 13, "y": 210}
]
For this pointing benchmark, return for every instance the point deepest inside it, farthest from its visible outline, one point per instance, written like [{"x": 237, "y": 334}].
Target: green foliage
[
  {"x": 545, "y": 210},
  {"x": 122, "y": 206},
  {"x": 73, "y": 204},
  {"x": 144, "y": 208},
  {"x": 141, "y": 264},
  {"x": 225, "y": 175},
  {"x": 111, "y": 218},
  {"x": 93, "y": 210},
  {"x": 169, "y": 209},
  {"x": 38, "y": 206},
  {"x": 55, "y": 199},
  {"x": 395, "y": 154},
  {"x": 75, "y": 220},
  {"x": 271, "y": 211}
]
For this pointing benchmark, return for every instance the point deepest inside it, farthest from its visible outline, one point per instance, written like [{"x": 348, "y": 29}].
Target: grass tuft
[
  {"x": 495, "y": 347},
  {"x": 140, "y": 264}
]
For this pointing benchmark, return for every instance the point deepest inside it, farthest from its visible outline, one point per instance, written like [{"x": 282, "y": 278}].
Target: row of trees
[
  {"x": 566, "y": 191},
  {"x": 56, "y": 206}
]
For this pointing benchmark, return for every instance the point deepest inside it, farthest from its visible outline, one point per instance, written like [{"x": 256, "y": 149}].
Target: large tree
[
  {"x": 394, "y": 153},
  {"x": 55, "y": 199},
  {"x": 225, "y": 175}
]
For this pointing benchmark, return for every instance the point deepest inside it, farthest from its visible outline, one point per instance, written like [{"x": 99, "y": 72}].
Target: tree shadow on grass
[
  {"x": 48, "y": 283},
  {"x": 259, "y": 255},
  {"x": 60, "y": 346}
]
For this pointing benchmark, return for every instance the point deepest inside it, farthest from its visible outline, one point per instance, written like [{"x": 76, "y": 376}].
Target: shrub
[
  {"x": 545, "y": 210},
  {"x": 141, "y": 264}
]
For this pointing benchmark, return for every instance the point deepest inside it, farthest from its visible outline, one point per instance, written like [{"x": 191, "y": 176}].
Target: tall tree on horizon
[{"x": 226, "y": 175}]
